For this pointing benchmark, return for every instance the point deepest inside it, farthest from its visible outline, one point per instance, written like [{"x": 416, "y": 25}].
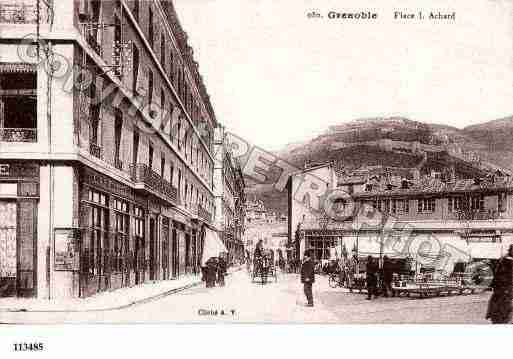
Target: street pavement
[{"x": 242, "y": 301}]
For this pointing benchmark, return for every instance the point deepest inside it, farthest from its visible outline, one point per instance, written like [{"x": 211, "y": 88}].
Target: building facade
[
  {"x": 230, "y": 197},
  {"x": 436, "y": 221},
  {"x": 106, "y": 147}
]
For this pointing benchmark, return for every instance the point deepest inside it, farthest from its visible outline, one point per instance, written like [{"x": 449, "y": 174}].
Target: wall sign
[
  {"x": 66, "y": 244},
  {"x": 19, "y": 170}
]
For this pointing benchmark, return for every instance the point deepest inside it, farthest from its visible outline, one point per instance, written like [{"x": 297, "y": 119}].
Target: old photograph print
[{"x": 258, "y": 161}]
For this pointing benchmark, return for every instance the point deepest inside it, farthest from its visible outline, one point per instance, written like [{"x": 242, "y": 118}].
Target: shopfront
[
  {"x": 19, "y": 198},
  {"x": 113, "y": 245}
]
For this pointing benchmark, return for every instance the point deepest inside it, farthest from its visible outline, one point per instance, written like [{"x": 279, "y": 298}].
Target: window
[
  {"x": 162, "y": 103},
  {"x": 94, "y": 130},
  {"x": 150, "y": 86},
  {"x": 139, "y": 232},
  {"x": 135, "y": 69},
  {"x": 502, "y": 202},
  {"x": 118, "y": 129},
  {"x": 135, "y": 153},
  {"x": 185, "y": 143},
  {"x": 150, "y": 157},
  {"x": 426, "y": 205},
  {"x": 121, "y": 242},
  {"x": 162, "y": 165},
  {"x": 171, "y": 172},
  {"x": 455, "y": 204},
  {"x": 97, "y": 247},
  {"x": 163, "y": 50},
  {"x": 179, "y": 180},
  {"x": 179, "y": 133},
  {"x": 171, "y": 67},
  {"x": 136, "y": 10},
  {"x": 477, "y": 203},
  {"x": 151, "y": 33},
  {"x": 117, "y": 52},
  {"x": 185, "y": 193},
  {"x": 18, "y": 103}
]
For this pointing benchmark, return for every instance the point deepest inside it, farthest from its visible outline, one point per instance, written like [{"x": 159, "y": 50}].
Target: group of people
[
  {"x": 214, "y": 272},
  {"x": 374, "y": 273}
]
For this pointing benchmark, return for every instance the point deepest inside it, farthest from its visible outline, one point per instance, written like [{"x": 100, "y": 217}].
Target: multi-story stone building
[
  {"x": 106, "y": 147},
  {"x": 439, "y": 221},
  {"x": 230, "y": 198}
]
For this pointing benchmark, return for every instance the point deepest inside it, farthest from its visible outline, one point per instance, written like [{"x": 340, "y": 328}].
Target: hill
[{"x": 399, "y": 142}]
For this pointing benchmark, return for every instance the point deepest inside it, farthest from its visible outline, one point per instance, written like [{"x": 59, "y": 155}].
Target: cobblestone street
[{"x": 282, "y": 302}]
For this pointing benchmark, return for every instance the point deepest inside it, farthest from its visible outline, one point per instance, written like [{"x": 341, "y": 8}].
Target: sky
[{"x": 276, "y": 76}]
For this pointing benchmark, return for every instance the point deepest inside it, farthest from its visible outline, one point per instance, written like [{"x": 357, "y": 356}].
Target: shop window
[
  {"x": 18, "y": 103},
  {"x": 98, "y": 246},
  {"x": 122, "y": 228},
  {"x": 139, "y": 233}
]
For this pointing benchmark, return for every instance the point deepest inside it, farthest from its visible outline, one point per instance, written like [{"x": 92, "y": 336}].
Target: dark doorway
[
  {"x": 153, "y": 249},
  {"x": 174, "y": 253}
]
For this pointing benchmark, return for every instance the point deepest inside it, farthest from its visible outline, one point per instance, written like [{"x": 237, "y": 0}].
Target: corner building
[{"x": 106, "y": 147}]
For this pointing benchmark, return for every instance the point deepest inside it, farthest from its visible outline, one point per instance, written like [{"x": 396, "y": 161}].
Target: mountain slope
[{"x": 397, "y": 142}]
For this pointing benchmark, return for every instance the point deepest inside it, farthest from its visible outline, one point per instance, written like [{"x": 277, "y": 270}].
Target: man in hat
[
  {"x": 500, "y": 307},
  {"x": 372, "y": 279},
  {"x": 308, "y": 277},
  {"x": 388, "y": 276}
]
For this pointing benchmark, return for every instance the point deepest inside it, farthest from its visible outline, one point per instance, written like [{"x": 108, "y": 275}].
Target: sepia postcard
[{"x": 255, "y": 162}]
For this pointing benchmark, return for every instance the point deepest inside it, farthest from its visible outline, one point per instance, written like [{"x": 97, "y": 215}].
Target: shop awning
[{"x": 212, "y": 246}]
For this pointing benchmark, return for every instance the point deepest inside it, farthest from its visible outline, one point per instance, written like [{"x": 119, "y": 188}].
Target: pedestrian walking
[
  {"x": 210, "y": 272},
  {"x": 308, "y": 277},
  {"x": 499, "y": 307},
  {"x": 372, "y": 279},
  {"x": 221, "y": 271},
  {"x": 388, "y": 276}
]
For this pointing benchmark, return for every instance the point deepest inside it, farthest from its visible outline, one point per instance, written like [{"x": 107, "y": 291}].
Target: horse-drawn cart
[
  {"x": 264, "y": 268},
  {"x": 424, "y": 286}
]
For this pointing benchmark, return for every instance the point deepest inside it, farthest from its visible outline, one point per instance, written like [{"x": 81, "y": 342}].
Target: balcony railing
[
  {"x": 23, "y": 12},
  {"x": 204, "y": 214},
  {"x": 18, "y": 134},
  {"x": 141, "y": 173},
  {"x": 95, "y": 150}
]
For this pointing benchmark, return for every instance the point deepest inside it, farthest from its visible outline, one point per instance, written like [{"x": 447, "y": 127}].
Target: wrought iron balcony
[
  {"x": 18, "y": 134},
  {"x": 204, "y": 214},
  {"x": 14, "y": 12},
  {"x": 142, "y": 174},
  {"x": 95, "y": 150}
]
